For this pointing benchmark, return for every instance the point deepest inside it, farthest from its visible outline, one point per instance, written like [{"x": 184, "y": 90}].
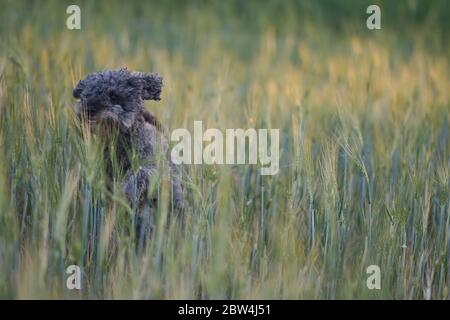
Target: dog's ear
[
  {"x": 151, "y": 86},
  {"x": 78, "y": 89}
]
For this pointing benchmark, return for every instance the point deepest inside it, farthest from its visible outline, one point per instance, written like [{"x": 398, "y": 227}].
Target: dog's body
[{"x": 115, "y": 98}]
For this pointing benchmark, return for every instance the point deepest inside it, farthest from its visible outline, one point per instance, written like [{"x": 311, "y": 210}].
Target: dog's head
[{"x": 115, "y": 95}]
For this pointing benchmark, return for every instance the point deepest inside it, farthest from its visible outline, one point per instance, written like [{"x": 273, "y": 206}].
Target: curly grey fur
[{"x": 116, "y": 96}]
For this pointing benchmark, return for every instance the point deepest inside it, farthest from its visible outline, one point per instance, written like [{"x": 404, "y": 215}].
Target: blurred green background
[{"x": 365, "y": 156}]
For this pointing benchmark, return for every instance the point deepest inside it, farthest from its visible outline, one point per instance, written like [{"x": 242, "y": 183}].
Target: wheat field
[{"x": 364, "y": 145}]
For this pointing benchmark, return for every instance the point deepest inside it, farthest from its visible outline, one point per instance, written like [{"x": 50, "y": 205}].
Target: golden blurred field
[{"x": 364, "y": 142}]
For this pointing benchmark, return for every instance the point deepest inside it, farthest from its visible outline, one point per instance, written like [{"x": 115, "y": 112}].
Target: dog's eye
[{"x": 113, "y": 96}]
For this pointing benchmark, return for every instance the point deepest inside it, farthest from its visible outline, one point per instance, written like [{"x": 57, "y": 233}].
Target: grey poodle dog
[{"x": 114, "y": 99}]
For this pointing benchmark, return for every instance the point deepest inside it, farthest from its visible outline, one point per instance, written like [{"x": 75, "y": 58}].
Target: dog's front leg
[
  {"x": 142, "y": 200},
  {"x": 135, "y": 186}
]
